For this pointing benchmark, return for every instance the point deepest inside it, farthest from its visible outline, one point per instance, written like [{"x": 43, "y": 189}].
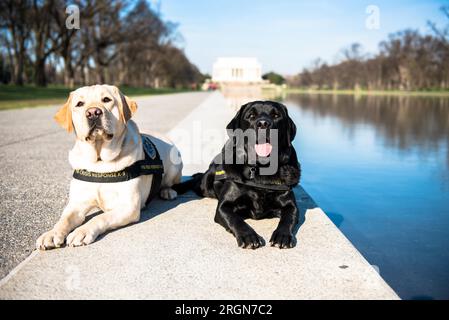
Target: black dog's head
[{"x": 262, "y": 117}]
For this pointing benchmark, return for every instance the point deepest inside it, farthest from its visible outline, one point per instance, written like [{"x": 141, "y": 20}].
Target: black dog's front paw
[
  {"x": 282, "y": 239},
  {"x": 250, "y": 240}
]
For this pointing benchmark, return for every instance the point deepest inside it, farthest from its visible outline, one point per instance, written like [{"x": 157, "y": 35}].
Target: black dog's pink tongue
[{"x": 263, "y": 150}]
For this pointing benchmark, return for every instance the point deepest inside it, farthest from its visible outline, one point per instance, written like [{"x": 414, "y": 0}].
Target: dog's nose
[
  {"x": 93, "y": 113},
  {"x": 263, "y": 124}
]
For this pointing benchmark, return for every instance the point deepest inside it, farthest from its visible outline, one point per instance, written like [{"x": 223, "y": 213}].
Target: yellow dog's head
[{"x": 97, "y": 112}]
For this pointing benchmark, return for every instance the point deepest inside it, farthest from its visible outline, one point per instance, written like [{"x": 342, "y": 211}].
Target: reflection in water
[
  {"x": 404, "y": 122},
  {"x": 238, "y": 95},
  {"x": 379, "y": 167}
]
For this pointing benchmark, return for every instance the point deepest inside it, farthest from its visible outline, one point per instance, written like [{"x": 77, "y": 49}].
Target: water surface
[{"x": 379, "y": 167}]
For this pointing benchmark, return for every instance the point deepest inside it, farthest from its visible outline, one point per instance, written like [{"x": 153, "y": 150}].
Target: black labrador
[{"x": 254, "y": 175}]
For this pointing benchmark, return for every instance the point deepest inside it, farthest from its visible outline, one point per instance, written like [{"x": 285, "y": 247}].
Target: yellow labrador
[{"x": 106, "y": 141}]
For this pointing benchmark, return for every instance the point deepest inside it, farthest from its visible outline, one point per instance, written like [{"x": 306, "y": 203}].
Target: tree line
[
  {"x": 407, "y": 60},
  {"x": 118, "y": 42}
]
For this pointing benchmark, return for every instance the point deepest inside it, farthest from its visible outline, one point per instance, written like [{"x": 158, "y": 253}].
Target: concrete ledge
[{"x": 176, "y": 251}]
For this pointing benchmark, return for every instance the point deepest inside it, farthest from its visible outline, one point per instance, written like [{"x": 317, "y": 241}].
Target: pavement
[{"x": 176, "y": 250}]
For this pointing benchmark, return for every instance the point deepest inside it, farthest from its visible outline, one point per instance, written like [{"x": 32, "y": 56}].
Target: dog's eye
[
  {"x": 80, "y": 104},
  {"x": 275, "y": 115},
  {"x": 252, "y": 116},
  {"x": 106, "y": 99}
]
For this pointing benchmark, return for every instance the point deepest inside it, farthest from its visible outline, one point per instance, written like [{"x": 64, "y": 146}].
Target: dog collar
[{"x": 152, "y": 164}]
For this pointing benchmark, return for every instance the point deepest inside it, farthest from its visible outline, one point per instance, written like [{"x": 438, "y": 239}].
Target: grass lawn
[
  {"x": 430, "y": 93},
  {"x": 13, "y": 97}
]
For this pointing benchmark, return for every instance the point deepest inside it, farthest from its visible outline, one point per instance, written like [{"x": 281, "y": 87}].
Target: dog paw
[
  {"x": 80, "y": 237},
  {"x": 250, "y": 240},
  {"x": 282, "y": 239},
  {"x": 168, "y": 194},
  {"x": 50, "y": 239}
]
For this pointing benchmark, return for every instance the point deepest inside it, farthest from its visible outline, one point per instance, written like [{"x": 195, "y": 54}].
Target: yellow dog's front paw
[
  {"x": 80, "y": 236},
  {"x": 50, "y": 239}
]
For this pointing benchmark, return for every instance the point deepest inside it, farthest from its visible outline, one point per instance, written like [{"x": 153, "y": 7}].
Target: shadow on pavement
[
  {"x": 159, "y": 206},
  {"x": 156, "y": 207},
  {"x": 305, "y": 202}
]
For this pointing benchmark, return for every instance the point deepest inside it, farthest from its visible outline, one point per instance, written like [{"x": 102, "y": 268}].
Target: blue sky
[{"x": 287, "y": 35}]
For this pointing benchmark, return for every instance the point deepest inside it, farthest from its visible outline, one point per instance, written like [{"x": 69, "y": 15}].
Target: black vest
[
  {"x": 275, "y": 185},
  {"x": 152, "y": 164}
]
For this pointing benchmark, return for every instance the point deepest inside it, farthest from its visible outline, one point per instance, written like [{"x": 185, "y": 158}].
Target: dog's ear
[
  {"x": 291, "y": 127},
  {"x": 291, "y": 130},
  {"x": 233, "y": 125},
  {"x": 127, "y": 107},
  {"x": 64, "y": 115}
]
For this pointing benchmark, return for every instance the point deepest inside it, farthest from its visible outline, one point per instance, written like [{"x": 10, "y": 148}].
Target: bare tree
[
  {"x": 14, "y": 22},
  {"x": 120, "y": 42},
  {"x": 407, "y": 60}
]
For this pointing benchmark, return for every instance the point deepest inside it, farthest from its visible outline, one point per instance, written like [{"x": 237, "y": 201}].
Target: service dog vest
[{"x": 152, "y": 164}]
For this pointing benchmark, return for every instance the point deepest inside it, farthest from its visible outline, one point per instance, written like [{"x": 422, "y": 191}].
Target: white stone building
[{"x": 237, "y": 70}]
